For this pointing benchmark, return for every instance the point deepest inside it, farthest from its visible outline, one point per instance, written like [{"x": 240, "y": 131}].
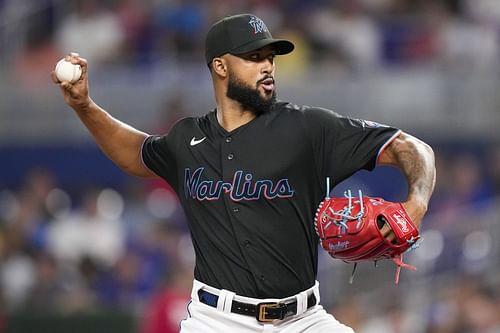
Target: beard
[{"x": 249, "y": 97}]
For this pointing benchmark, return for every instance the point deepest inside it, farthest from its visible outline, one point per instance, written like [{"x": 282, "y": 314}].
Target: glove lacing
[
  {"x": 398, "y": 260},
  {"x": 346, "y": 216},
  {"x": 346, "y": 212}
]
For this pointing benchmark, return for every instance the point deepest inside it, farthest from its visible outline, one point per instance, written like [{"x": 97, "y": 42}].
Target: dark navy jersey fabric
[{"x": 250, "y": 194}]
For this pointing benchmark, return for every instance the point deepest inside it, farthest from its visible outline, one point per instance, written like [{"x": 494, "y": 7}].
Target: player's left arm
[{"x": 415, "y": 158}]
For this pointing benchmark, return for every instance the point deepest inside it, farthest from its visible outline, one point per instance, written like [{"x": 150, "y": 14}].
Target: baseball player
[{"x": 249, "y": 175}]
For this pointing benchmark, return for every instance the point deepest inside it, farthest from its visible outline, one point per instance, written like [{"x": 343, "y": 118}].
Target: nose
[{"x": 268, "y": 65}]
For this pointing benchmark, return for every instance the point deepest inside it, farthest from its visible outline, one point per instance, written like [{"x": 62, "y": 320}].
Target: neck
[{"x": 231, "y": 115}]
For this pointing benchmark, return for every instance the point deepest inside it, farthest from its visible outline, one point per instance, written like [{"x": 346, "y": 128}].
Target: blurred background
[{"x": 86, "y": 248}]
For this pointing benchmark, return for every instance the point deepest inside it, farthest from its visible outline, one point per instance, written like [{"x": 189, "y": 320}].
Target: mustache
[{"x": 265, "y": 78}]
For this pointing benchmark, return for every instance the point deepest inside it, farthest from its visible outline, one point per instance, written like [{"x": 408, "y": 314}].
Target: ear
[{"x": 219, "y": 67}]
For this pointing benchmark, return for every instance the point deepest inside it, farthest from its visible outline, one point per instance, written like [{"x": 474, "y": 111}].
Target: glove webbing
[
  {"x": 346, "y": 212},
  {"x": 346, "y": 216}
]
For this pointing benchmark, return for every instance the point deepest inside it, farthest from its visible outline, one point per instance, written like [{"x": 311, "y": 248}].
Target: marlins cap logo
[{"x": 257, "y": 25}]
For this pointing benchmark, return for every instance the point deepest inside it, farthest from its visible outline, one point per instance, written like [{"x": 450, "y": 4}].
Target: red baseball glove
[{"x": 349, "y": 229}]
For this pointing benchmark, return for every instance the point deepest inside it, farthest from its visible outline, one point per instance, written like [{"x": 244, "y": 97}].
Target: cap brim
[{"x": 282, "y": 46}]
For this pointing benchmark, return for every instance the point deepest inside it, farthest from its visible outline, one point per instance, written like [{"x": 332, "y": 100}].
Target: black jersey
[{"x": 250, "y": 194}]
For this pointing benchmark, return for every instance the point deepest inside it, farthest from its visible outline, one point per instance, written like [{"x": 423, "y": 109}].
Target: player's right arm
[{"x": 119, "y": 141}]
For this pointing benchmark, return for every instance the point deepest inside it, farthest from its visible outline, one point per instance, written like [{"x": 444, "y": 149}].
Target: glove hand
[
  {"x": 356, "y": 229},
  {"x": 415, "y": 210}
]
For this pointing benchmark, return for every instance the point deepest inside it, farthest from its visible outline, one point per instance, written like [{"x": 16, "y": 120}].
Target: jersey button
[
  {"x": 247, "y": 243},
  {"x": 229, "y": 139},
  {"x": 230, "y": 156},
  {"x": 236, "y": 209}
]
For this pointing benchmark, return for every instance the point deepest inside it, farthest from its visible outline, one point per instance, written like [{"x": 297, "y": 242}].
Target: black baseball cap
[{"x": 238, "y": 34}]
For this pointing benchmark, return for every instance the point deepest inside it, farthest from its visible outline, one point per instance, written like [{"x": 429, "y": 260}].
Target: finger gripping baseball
[{"x": 350, "y": 229}]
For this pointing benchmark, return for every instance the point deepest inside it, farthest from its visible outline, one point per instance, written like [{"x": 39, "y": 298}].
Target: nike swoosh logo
[{"x": 194, "y": 142}]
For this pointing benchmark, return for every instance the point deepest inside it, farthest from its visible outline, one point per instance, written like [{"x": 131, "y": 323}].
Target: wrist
[
  {"x": 84, "y": 107},
  {"x": 416, "y": 208}
]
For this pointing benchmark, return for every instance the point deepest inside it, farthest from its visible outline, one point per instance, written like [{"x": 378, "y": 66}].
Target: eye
[{"x": 254, "y": 56}]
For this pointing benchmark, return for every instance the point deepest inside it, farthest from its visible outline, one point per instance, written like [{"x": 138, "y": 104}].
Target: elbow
[
  {"x": 427, "y": 150},
  {"x": 423, "y": 150},
  {"x": 428, "y": 158},
  {"x": 432, "y": 161},
  {"x": 421, "y": 146}
]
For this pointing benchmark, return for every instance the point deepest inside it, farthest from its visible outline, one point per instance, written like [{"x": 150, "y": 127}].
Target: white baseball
[{"x": 66, "y": 71}]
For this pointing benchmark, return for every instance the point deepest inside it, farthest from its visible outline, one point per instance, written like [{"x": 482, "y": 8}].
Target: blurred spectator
[
  {"x": 17, "y": 273},
  {"x": 135, "y": 20},
  {"x": 465, "y": 307},
  {"x": 444, "y": 313},
  {"x": 173, "y": 109},
  {"x": 95, "y": 230},
  {"x": 119, "y": 288},
  {"x": 493, "y": 168},
  {"x": 460, "y": 184},
  {"x": 349, "y": 312},
  {"x": 169, "y": 306},
  {"x": 91, "y": 31},
  {"x": 407, "y": 41},
  {"x": 486, "y": 11},
  {"x": 469, "y": 186},
  {"x": 179, "y": 30},
  {"x": 24, "y": 233},
  {"x": 46, "y": 294},
  {"x": 465, "y": 46},
  {"x": 481, "y": 313},
  {"x": 345, "y": 34},
  {"x": 131, "y": 282},
  {"x": 39, "y": 54},
  {"x": 393, "y": 320}
]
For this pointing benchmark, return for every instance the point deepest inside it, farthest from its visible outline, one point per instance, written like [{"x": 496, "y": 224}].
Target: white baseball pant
[{"x": 203, "y": 318}]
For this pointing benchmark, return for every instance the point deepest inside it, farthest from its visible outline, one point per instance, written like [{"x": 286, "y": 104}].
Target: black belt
[{"x": 263, "y": 312}]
